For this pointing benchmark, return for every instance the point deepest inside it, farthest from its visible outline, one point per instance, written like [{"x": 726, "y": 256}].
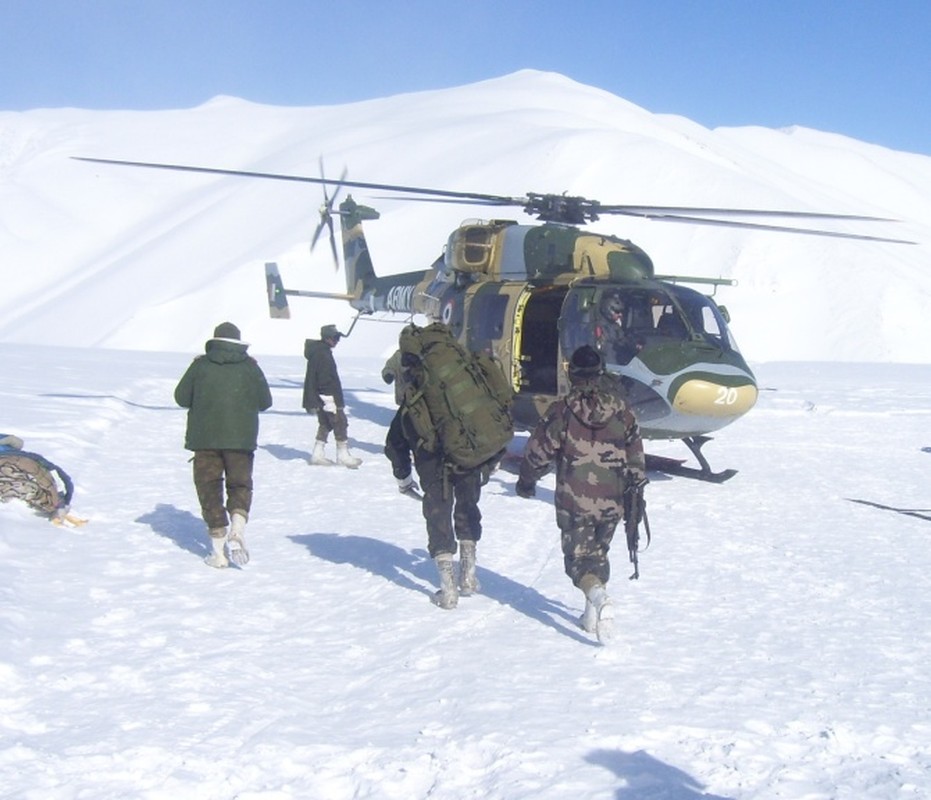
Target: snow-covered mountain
[{"x": 97, "y": 255}]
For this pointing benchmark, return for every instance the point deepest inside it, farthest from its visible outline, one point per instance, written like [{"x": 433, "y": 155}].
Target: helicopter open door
[{"x": 537, "y": 319}]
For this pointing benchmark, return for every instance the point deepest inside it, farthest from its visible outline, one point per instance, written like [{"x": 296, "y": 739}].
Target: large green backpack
[{"x": 458, "y": 402}]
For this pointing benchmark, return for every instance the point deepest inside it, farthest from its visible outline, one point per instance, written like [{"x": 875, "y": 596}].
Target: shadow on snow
[
  {"x": 411, "y": 570},
  {"x": 181, "y": 527},
  {"x": 647, "y": 777}
]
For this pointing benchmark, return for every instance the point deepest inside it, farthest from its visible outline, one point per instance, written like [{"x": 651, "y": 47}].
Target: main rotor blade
[
  {"x": 587, "y": 210},
  {"x": 665, "y": 215},
  {"x": 658, "y": 211},
  {"x": 760, "y": 227},
  {"x": 472, "y": 201},
  {"x": 275, "y": 176}
]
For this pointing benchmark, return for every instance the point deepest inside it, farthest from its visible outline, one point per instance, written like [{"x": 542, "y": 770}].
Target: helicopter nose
[{"x": 706, "y": 398}]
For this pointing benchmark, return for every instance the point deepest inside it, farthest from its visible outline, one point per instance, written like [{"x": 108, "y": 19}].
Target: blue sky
[{"x": 857, "y": 67}]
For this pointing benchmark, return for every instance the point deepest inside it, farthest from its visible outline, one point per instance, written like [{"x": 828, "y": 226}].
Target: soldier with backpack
[
  {"x": 594, "y": 441},
  {"x": 455, "y": 419}
]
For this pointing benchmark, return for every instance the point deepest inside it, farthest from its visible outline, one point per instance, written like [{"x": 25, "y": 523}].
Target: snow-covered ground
[{"x": 776, "y": 645}]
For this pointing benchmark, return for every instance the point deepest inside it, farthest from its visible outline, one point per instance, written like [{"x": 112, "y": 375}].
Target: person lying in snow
[{"x": 45, "y": 487}]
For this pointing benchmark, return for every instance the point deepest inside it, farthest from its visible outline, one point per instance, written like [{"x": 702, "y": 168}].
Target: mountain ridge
[{"x": 106, "y": 256}]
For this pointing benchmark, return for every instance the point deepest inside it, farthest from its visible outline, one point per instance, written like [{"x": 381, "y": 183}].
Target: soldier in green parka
[
  {"x": 224, "y": 391},
  {"x": 594, "y": 440}
]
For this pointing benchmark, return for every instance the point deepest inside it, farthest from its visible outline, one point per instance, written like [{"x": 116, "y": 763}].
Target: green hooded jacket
[{"x": 224, "y": 391}]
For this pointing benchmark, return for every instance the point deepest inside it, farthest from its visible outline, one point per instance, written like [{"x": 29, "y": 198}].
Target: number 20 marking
[{"x": 726, "y": 396}]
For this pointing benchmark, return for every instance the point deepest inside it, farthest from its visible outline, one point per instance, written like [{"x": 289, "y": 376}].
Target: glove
[
  {"x": 525, "y": 489},
  {"x": 329, "y": 405}
]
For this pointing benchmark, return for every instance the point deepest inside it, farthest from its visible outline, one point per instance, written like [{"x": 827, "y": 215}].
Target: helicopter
[{"x": 530, "y": 294}]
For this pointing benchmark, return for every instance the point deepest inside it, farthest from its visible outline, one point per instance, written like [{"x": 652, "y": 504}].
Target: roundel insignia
[{"x": 452, "y": 315}]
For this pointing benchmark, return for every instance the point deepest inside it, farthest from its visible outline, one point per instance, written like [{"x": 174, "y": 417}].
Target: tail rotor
[{"x": 326, "y": 214}]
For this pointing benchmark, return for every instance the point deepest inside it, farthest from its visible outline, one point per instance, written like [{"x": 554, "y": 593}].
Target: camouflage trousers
[
  {"x": 450, "y": 505},
  {"x": 215, "y": 470},
  {"x": 585, "y": 545},
  {"x": 336, "y": 422}
]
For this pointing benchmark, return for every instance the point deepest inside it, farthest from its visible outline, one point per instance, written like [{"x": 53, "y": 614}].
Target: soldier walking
[
  {"x": 594, "y": 441},
  {"x": 451, "y": 482},
  {"x": 450, "y": 500},
  {"x": 224, "y": 391},
  {"x": 323, "y": 396}
]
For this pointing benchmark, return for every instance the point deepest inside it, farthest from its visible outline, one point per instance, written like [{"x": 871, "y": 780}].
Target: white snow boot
[
  {"x": 318, "y": 458},
  {"x": 448, "y": 595},
  {"x": 409, "y": 487},
  {"x": 468, "y": 583},
  {"x": 237, "y": 541},
  {"x": 344, "y": 457},
  {"x": 217, "y": 557},
  {"x": 589, "y": 619},
  {"x": 598, "y": 617}
]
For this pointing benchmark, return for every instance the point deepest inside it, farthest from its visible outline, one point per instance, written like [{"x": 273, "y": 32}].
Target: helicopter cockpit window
[
  {"x": 488, "y": 311},
  {"x": 704, "y": 317},
  {"x": 577, "y": 320},
  {"x": 667, "y": 319},
  {"x": 615, "y": 320},
  {"x": 670, "y": 325},
  {"x": 623, "y": 325}
]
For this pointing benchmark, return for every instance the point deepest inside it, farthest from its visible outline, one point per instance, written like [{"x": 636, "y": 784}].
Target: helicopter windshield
[
  {"x": 621, "y": 320},
  {"x": 704, "y": 317}
]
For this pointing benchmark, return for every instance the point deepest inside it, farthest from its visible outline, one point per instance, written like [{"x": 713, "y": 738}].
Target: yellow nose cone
[{"x": 707, "y": 399}]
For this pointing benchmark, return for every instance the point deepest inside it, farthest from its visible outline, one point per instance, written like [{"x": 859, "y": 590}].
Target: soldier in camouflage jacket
[{"x": 594, "y": 441}]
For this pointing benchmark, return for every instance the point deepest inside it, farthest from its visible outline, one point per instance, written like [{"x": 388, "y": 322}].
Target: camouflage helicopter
[{"x": 531, "y": 294}]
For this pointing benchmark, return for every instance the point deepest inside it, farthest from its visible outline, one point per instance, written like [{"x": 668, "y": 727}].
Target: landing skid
[
  {"x": 676, "y": 466},
  {"x": 510, "y": 463}
]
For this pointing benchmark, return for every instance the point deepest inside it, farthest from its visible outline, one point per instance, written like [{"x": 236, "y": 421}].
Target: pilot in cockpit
[{"x": 612, "y": 338}]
